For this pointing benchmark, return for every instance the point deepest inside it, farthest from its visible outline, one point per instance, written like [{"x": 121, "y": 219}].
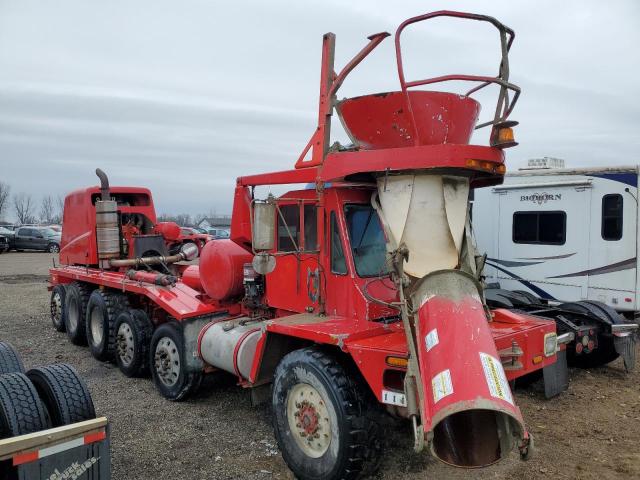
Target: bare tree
[
  {"x": 4, "y": 197},
  {"x": 47, "y": 213},
  {"x": 23, "y": 206},
  {"x": 60, "y": 209}
]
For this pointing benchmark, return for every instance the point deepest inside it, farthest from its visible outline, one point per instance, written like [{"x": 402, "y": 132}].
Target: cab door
[{"x": 294, "y": 284}]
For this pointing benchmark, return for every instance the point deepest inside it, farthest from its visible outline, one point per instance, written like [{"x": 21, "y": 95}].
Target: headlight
[{"x": 550, "y": 344}]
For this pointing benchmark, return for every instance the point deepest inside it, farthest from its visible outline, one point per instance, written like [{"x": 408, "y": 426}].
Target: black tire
[
  {"x": 133, "y": 331},
  {"x": 10, "y": 361},
  {"x": 20, "y": 409},
  {"x": 354, "y": 447},
  {"x": 102, "y": 310},
  {"x": 58, "y": 294},
  {"x": 172, "y": 380},
  {"x": 63, "y": 393},
  {"x": 534, "y": 300},
  {"x": 606, "y": 351},
  {"x": 75, "y": 308},
  {"x": 53, "y": 248}
]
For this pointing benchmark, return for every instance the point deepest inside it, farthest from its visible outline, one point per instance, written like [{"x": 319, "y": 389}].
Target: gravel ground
[{"x": 591, "y": 431}]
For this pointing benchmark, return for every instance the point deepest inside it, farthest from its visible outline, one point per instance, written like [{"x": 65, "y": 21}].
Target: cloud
[{"x": 183, "y": 98}]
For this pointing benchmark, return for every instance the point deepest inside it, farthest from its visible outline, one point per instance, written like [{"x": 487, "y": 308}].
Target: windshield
[{"x": 367, "y": 240}]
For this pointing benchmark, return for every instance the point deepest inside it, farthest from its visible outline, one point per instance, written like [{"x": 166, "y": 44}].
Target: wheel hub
[
  {"x": 309, "y": 420},
  {"x": 125, "y": 344},
  {"x": 56, "y": 307},
  {"x": 96, "y": 327},
  {"x": 167, "y": 361}
]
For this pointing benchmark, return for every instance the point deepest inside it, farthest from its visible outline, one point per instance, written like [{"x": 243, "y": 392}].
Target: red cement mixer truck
[{"x": 357, "y": 295}]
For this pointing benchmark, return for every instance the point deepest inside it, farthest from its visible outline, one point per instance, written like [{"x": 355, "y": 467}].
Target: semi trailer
[{"x": 358, "y": 294}]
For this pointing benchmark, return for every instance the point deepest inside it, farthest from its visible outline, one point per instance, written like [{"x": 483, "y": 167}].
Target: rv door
[{"x": 543, "y": 238}]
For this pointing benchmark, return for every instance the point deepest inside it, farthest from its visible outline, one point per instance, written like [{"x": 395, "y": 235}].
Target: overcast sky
[{"x": 184, "y": 96}]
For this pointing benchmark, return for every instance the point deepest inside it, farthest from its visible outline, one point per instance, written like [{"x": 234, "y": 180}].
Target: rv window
[
  {"x": 546, "y": 228},
  {"x": 288, "y": 228},
  {"x": 612, "y": 217},
  {"x": 338, "y": 263}
]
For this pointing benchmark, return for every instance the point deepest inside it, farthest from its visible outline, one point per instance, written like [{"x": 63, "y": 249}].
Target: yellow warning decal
[
  {"x": 496, "y": 379},
  {"x": 441, "y": 385}
]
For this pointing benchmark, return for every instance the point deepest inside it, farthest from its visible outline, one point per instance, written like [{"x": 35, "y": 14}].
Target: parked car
[
  {"x": 8, "y": 235},
  {"x": 4, "y": 244},
  {"x": 218, "y": 233},
  {"x": 37, "y": 238}
]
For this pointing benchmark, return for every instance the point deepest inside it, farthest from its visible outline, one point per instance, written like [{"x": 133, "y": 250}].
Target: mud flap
[
  {"x": 626, "y": 348},
  {"x": 556, "y": 376}
]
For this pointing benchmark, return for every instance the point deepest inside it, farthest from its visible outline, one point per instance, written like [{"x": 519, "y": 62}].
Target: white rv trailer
[{"x": 564, "y": 235}]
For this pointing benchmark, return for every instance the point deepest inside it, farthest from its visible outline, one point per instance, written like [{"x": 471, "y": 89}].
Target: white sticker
[
  {"x": 496, "y": 379},
  {"x": 431, "y": 339},
  {"x": 441, "y": 385},
  {"x": 394, "y": 398}
]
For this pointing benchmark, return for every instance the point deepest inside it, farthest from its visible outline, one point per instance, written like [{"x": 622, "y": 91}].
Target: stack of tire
[{"x": 41, "y": 398}]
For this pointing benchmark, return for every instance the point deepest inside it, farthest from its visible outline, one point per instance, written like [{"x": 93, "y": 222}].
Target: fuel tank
[{"x": 230, "y": 345}]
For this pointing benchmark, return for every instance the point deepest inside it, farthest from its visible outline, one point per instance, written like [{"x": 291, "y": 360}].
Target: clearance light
[
  {"x": 400, "y": 362},
  {"x": 492, "y": 167},
  {"x": 537, "y": 359},
  {"x": 502, "y": 135}
]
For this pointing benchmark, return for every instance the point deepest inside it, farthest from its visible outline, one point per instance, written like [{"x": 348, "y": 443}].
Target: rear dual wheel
[
  {"x": 169, "y": 369},
  {"x": 133, "y": 331},
  {"x": 102, "y": 310},
  {"x": 58, "y": 294},
  {"x": 74, "y": 312},
  {"x": 21, "y": 411}
]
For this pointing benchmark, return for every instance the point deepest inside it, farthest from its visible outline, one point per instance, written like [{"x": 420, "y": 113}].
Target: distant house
[{"x": 220, "y": 221}]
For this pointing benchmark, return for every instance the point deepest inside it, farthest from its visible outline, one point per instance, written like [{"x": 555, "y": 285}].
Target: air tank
[{"x": 221, "y": 269}]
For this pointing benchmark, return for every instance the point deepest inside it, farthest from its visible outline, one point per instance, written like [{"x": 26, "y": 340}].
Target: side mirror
[{"x": 263, "y": 225}]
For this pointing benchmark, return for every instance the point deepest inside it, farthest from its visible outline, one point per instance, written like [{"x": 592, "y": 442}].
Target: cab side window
[
  {"x": 288, "y": 228},
  {"x": 338, "y": 263},
  {"x": 310, "y": 228}
]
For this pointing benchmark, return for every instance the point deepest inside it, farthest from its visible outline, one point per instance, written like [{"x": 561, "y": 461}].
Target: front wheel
[
  {"x": 168, "y": 365},
  {"x": 323, "y": 421}
]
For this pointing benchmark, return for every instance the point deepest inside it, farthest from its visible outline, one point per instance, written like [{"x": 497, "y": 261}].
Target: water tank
[{"x": 221, "y": 268}]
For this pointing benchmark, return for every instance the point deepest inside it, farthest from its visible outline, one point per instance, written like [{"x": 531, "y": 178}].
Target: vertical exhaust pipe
[{"x": 107, "y": 226}]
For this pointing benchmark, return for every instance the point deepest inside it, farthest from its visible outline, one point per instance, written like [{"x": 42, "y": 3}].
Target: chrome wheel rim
[
  {"x": 96, "y": 326},
  {"x": 54, "y": 249},
  {"x": 72, "y": 314},
  {"x": 125, "y": 344},
  {"x": 167, "y": 361},
  {"x": 56, "y": 308},
  {"x": 309, "y": 420}
]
